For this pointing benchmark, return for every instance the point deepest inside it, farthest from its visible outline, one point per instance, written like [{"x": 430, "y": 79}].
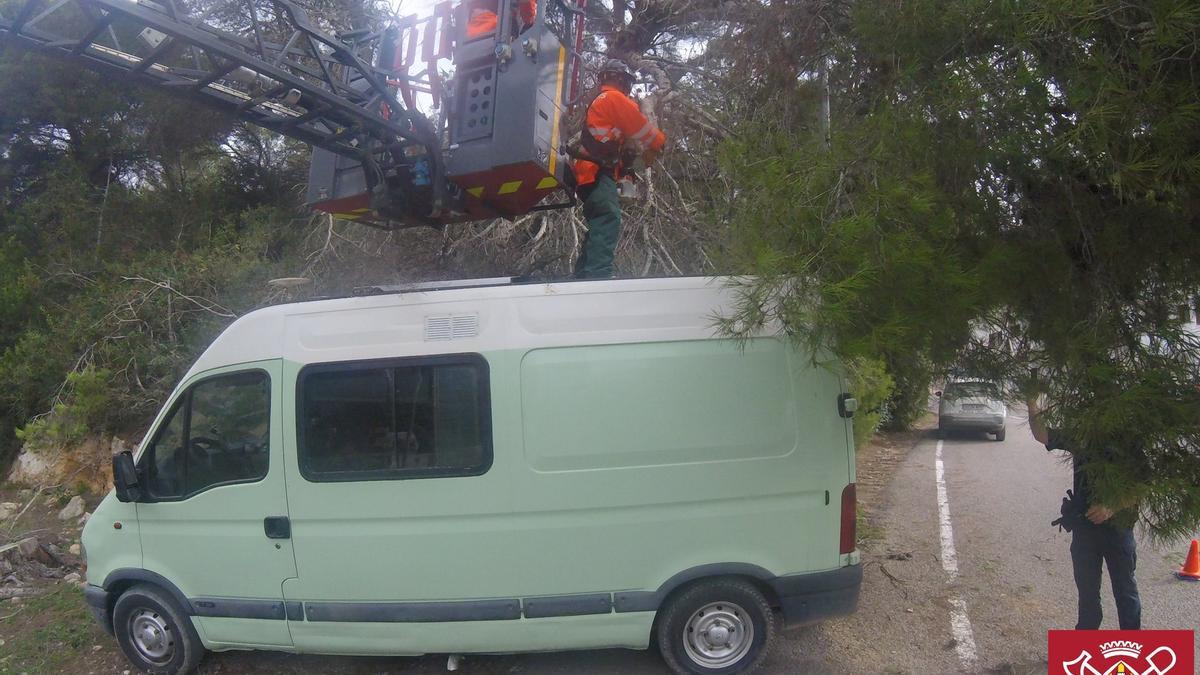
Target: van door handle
[{"x": 277, "y": 527}]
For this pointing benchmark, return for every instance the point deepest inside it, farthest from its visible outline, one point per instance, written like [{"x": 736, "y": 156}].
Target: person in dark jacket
[{"x": 1101, "y": 534}]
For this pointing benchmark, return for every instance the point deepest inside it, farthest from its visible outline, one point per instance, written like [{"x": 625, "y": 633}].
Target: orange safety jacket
[
  {"x": 615, "y": 118},
  {"x": 483, "y": 21}
]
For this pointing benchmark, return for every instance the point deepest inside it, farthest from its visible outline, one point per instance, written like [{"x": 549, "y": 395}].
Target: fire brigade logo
[{"x": 1111, "y": 652}]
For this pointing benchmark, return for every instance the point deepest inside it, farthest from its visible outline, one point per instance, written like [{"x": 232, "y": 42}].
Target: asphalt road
[
  {"x": 1013, "y": 579},
  {"x": 1014, "y": 570},
  {"x": 1013, "y": 550}
]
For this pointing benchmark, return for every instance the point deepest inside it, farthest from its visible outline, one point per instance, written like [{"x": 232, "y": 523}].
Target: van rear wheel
[
  {"x": 716, "y": 627},
  {"x": 154, "y": 633}
]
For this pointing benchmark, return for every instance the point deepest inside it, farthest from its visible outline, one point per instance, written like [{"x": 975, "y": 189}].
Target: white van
[{"x": 484, "y": 469}]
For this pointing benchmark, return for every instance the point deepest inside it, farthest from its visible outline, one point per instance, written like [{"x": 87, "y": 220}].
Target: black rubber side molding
[
  {"x": 238, "y": 609},
  {"x": 568, "y": 605},
  {"x": 804, "y": 597},
  {"x": 414, "y": 612}
]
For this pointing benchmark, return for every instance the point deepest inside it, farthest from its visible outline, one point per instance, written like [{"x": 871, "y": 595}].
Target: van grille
[{"x": 451, "y": 327}]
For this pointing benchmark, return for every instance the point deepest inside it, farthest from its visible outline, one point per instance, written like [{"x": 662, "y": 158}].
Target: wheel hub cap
[
  {"x": 718, "y": 634},
  {"x": 151, "y": 635}
]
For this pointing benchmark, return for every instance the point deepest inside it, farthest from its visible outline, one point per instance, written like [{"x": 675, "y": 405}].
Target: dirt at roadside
[
  {"x": 875, "y": 466},
  {"x": 45, "y": 627}
]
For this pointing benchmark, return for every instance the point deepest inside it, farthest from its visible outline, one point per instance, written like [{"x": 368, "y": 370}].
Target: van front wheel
[
  {"x": 716, "y": 627},
  {"x": 155, "y": 635}
]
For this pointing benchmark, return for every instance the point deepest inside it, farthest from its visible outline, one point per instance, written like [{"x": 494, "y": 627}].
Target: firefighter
[
  {"x": 615, "y": 134},
  {"x": 482, "y": 19}
]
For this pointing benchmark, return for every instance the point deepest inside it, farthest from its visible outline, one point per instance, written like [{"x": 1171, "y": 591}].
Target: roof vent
[{"x": 451, "y": 327}]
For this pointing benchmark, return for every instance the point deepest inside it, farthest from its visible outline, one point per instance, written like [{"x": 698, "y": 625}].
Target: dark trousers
[
  {"x": 602, "y": 209},
  {"x": 1091, "y": 546}
]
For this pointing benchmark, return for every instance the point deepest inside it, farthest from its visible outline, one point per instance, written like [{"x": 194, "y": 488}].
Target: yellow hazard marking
[
  {"x": 547, "y": 182},
  {"x": 557, "y": 112},
  {"x": 361, "y": 211},
  {"x": 510, "y": 186},
  {"x": 346, "y": 216},
  {"x": 475, "y": 191}
]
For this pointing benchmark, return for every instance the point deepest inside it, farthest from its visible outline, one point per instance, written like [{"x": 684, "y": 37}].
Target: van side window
[
  {"x": 419, "y": 418},
  {"x": 217, "y": 433}
]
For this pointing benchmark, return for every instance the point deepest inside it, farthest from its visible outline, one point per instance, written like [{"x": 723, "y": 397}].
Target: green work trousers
[{"x": 602, "y": 209}]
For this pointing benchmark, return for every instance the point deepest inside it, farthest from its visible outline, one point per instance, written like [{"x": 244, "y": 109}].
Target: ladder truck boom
[{"x": 376, "y": 157}]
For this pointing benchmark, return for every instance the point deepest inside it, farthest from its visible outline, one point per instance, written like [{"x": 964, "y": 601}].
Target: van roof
[{"x": 475, "y": 315}]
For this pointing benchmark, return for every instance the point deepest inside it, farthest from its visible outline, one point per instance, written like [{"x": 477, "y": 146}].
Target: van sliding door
[{"x": 395, "y": 502}]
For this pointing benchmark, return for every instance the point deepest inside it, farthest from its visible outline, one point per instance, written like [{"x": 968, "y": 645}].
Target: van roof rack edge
[{"x": 384, "y": 289}]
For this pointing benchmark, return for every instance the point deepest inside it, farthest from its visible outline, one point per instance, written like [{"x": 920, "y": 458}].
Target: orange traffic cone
[{"x": 1191, "y": 567}]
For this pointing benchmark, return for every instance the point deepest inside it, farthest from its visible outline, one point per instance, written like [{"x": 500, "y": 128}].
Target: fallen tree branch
[
  {"x": 13, "y": 524},
  {"x": 21, "y": 592},
  {"x": 203, "y": 303}
]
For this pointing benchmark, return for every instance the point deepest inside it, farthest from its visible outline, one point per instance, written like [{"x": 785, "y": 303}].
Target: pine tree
[{"x": 1006, "y": 186}]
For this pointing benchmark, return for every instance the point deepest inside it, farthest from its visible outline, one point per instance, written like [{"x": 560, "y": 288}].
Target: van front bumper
[
  {"x": 97, "y": 600},
  {"x": 807, "y": 598}
]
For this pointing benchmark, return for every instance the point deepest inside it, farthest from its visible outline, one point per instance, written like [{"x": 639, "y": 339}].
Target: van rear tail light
[{"x": 849, "y": 519}]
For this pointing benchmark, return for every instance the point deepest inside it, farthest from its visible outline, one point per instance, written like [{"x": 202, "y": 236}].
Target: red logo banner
[{"x": 1122, "y": 652}]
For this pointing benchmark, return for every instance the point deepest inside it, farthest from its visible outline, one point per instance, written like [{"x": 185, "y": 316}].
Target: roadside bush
[
  {"x": 111, "y": 342},
  {"x": 82, "y": 410},
  {"x": 910, "y": 395},
  {"x": 871, "y": 384}
]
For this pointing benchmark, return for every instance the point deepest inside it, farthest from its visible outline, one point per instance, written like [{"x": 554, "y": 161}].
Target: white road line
[{"x": 960, "y": 623}]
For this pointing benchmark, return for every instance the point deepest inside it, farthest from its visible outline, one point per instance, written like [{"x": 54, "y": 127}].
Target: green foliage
[
  {"x": 910, "y": 395},
  {"x": 127, "y": 241},
  {"x": 131, "y": 328},
  {"x": 872, "y": 386},
  {"x": 1006, "y": 186},
  {"x": 70, "y": 420}
]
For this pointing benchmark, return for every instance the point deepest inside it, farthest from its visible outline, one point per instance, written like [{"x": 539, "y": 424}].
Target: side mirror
[
  {"x": 125, "y": 478},
  {"x": 938, "y": 393}
]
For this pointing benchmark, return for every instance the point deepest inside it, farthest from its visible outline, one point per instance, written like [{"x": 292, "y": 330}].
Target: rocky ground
[
  {"x": 44, "y": 625},
  {"x": 43, "y": 549}
]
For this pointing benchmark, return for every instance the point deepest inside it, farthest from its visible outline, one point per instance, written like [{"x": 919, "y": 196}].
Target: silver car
[{"x": 971, "y": 406}]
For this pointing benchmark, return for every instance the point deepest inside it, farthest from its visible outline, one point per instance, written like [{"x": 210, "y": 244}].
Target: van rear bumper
[
  {"x": 807, "y": 598},
  {"x": 968, "y": 421},
  {"x": 97, "y": 600}
]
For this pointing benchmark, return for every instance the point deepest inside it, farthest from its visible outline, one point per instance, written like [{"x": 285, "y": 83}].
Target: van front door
[{"x": 216, "y": 523}]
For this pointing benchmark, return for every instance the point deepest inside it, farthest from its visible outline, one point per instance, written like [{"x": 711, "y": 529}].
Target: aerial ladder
[{"x": 495, "y": 151}]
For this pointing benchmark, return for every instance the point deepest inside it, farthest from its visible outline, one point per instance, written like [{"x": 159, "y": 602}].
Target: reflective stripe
[
  {"x": 644, "y": 131},
  {"x": 605, "y": 133}
]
